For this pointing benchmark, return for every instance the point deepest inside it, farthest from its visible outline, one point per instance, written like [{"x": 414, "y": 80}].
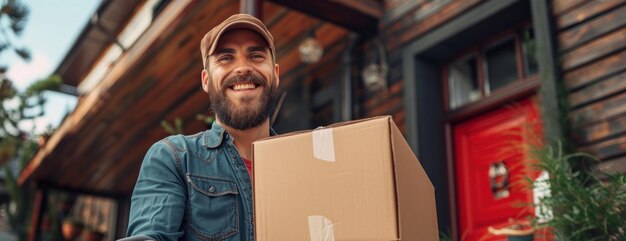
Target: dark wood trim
[
  {"x": 410, "y": 98},
  {"x": 450, "y": 167},
  {"x": 39, "y": 207},
  {"x": 480, "y": 72},
  {"x": 445, "y": 88},
  {"x": 347, "y": 82},
  {"x": 430, "y": 143},
  {"x": 458, "y": 24},
  {"x": 505, "y": 94},
  {"x": 375, "y": 9},
  {"x": 399, "y": 10},
  {"x": 519, "y": 55},
  {"x": 122, "y": 210},
  {"x": 493, "y": 39},
  {"x": 550, "y": 103},
  {"x": 337, "y": 13}
]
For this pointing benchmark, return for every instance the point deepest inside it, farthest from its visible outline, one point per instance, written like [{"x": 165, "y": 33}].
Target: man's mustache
[{"x": 252, "y": 78}]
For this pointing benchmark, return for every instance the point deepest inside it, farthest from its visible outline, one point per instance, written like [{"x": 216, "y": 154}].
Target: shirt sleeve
[{"x": 158, "y": 201}]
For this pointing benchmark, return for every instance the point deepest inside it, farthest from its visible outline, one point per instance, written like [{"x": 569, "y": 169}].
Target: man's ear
[
  {"x": 276, "y": 73},
  {"x": 205, "y": 80}
]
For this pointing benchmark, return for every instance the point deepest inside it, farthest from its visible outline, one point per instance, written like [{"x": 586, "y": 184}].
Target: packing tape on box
[
  {"x": 323, "y": 144},
  {"x": 321, "y": 228}
]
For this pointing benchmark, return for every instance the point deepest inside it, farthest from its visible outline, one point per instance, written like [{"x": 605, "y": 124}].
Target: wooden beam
[
  {"x": 371, "y": 8},
  {"x": 39, "y": 207},
  {"x": 337, "y": 13}
]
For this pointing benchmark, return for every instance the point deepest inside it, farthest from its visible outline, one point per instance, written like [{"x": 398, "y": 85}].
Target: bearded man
[{"x": 198, "y": 187}]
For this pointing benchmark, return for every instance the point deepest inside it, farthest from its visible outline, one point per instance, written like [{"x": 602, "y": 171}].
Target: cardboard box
[{"x": 355, "y": 180}]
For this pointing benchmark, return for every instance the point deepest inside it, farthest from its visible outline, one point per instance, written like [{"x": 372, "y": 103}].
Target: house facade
[{"x": 470, "y": 84}]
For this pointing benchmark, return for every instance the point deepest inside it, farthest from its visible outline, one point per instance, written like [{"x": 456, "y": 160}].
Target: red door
[{"x": 490, "y": 167}]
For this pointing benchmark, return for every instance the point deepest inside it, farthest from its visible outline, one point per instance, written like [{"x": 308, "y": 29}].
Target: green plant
[
  {"x": 13, "y": 17},
  {"x": 581, "y": 205},
  {"x": 16, "y": 144},
  {"x": 176, "y": 127},
  {"x": 21, "y": 198}
]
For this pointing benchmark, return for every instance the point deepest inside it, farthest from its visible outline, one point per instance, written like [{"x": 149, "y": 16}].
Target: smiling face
[{"x": 241, "y": 79}]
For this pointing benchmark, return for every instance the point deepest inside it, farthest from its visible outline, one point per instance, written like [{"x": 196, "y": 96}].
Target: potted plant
[
  {"x": 580, "y": 204},
  {"x": 71, "y": 228}
]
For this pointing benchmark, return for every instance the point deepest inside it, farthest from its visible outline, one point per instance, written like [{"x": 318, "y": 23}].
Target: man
[{"x": 199, "y": 187}]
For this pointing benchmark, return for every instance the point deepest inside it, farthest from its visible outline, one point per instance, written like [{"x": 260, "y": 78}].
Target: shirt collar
[{"x": 214, "y": 137}]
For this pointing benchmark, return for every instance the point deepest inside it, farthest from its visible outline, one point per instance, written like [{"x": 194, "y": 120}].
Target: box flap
[
  {"x": 416, "y": 194},
  {"x": 329, "y": 126}
]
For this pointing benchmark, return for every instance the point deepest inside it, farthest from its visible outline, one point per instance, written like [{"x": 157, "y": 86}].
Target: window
[
  {"x": 500, "y": 66},
  {"x": 491, "y": 66},
  {"x": 463, "y": 81}
]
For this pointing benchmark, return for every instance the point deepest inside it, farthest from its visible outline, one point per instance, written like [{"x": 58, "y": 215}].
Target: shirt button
[
  {"x": 211, "y": 189},
  {"x": 245, "y": 188}
]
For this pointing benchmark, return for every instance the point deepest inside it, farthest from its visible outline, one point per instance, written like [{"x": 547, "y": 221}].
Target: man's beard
[{"x": 251, "y": 113}]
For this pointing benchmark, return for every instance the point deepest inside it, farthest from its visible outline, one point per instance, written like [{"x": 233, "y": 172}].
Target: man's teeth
[{"x": 245, "y": 86}]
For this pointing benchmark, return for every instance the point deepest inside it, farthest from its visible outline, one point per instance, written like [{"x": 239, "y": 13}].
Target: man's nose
[{"x": 243, "y": 66}]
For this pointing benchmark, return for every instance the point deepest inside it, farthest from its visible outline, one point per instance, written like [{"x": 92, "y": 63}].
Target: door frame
[{"x": 428, "y": 129}]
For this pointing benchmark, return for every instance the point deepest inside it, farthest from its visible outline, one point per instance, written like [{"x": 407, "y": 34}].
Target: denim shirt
[{"x": 193, "y": 188}]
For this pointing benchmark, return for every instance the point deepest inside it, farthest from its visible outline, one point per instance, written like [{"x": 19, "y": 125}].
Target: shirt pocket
[{"x": 214, "y": 209}]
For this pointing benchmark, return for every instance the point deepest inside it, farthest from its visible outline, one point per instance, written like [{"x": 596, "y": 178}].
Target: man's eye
[
  {"x": 225, "y": 58},
  {"x": 257, "y": 56}
]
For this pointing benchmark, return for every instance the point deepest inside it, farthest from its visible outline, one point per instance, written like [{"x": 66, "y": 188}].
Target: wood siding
[{"x": 592, "y": 49}]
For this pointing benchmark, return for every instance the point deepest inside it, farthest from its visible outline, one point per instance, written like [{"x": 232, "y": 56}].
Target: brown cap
[{"x": 237, "y": 21}]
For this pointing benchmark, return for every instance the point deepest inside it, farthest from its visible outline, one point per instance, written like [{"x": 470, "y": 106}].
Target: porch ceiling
[
  {"x": 99, "y": 147},
  {"x": 108, "y": 20}
]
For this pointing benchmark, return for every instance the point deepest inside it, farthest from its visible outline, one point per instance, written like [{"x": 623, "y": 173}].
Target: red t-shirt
[{"x": 249, "y": 166}]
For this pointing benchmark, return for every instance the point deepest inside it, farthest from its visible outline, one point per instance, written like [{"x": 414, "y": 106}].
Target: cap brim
[{"x": 239, "y": 25}]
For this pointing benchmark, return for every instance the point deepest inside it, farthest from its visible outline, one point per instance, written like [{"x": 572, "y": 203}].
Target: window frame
[{"x": 479, "y": 50}]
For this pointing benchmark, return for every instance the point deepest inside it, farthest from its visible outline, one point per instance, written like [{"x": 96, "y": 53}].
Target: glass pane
[
  {"x": 463, "y": 81},
  {"x": 529, "y": 47},
  {"x": 501, "y": 67}
]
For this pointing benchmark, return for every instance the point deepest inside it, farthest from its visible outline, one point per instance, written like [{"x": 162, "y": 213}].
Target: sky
[{"x": 50, "y": 32}]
